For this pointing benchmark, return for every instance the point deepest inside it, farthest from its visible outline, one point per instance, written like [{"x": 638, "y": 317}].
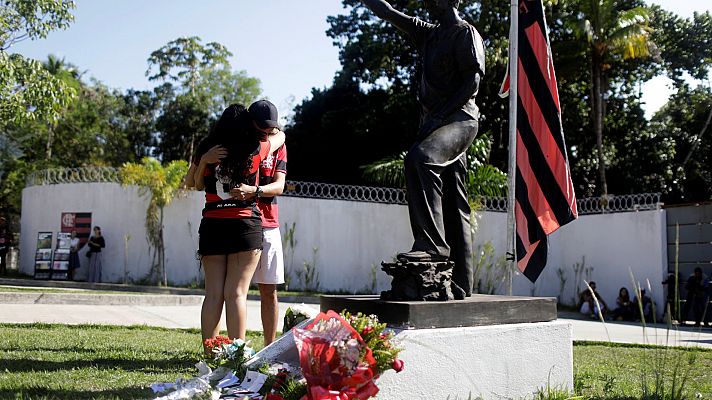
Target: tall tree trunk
[
  {"x": 162, "y": 251},
  {"x": 597, "y": 100},
  {"x": 50, "y": 136}
]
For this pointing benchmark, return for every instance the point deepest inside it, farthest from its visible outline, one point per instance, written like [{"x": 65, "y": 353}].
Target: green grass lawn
[
  {"x": 42, "y": 361},
  {"x": 618, "y": 371}
]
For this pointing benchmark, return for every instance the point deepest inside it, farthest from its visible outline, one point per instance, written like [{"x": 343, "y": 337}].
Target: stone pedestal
[
  {"x": 488, "y": 362},
  {"x": 421, "y": 281},
  {"x": 488, "y": 347},
  {"x": 477, "y": 310}
]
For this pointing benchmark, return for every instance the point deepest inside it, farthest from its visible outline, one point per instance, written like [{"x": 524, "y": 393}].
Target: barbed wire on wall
[
  {"x": 73, "y": 175},
  {"x": 316, "y": 190}
]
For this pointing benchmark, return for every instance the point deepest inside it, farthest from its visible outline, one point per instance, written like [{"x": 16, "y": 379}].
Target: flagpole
[{"x": 513, "y": 95}]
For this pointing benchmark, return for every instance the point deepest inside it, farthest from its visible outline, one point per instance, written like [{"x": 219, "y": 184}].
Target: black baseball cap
[{"x": 265, "y": 114}]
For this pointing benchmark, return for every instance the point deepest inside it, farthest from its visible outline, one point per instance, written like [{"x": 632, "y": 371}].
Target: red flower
[
  {"x": 366, "y": 330},
  {"x": 273, "y": 396},
  {"x": 398, "y": 365}
]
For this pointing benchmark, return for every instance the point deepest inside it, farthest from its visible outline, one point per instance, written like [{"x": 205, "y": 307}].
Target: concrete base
[{"x": 489, "y": 362}]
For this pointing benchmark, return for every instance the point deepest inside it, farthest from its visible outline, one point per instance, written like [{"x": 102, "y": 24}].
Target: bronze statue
[{"x": 453, "y": 62}]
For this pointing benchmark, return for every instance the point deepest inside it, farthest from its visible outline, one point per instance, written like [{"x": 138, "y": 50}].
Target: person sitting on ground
[
  {"x": 625, "y": 310},
  {"x": 645, "y": 303},
  {"x": 588, "y": 304}
]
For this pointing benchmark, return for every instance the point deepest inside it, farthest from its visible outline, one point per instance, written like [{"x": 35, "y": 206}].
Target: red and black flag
[
  {"x": 79, "y": 222},
  {"x": 544, "y": 193}
]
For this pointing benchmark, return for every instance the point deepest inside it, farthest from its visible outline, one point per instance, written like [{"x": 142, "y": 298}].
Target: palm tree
[
  {"x": 612, "y": 33},
  {"x": 162, "y": 183},
  {"x": 482, "y": 179}
]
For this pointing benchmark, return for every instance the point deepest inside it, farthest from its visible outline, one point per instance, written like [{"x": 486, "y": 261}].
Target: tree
[
  {"x": 613, "y": 30},
  {"x": 372, "y": 104},
  {"x": 482, "y": 179},
  {"x": 683, "y": 43},
  {"x": 685, "y": 121},
  {"x": 27, "y": 90},
  {"x": 182, "y": 119},
  {"x": 162, "y": 183},
  {"x": 204, "y": 77},
  {"x": 136, "y": 117}
]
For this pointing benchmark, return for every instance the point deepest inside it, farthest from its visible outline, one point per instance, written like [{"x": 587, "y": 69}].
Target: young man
[
  {"x": 4, "y": 244},
  {"x": 273, "y": 175}
]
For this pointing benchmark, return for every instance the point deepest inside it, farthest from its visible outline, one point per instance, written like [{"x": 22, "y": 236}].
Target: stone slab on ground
[
  {"x": 490, "y": 362},
  {"x": 478, "y": 310},
  {"x": 107, "y": 299}
]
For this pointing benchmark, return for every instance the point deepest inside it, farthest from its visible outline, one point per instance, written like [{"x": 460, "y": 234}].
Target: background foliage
[{"x": 356, "y": 130}]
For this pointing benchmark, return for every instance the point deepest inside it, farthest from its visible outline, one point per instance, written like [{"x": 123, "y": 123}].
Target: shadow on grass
[
  {"x": 57, "y": 394},
  {"x": 162, "y": 365}
]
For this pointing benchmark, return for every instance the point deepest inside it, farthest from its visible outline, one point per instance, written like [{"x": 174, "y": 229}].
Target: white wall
[
  {"x": 613, "y": 245},
  {"x": 352, "y": 238},
  {"x": 119, "y": 211}
]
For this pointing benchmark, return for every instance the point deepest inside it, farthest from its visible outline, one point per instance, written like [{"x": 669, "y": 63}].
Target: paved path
[{"x": 188, "y": 316}]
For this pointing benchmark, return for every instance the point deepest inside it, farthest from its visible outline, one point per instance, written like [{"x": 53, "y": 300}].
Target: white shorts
[{"x": 270, "y": 270}]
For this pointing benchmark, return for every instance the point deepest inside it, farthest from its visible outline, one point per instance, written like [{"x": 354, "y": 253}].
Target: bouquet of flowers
[
  {"x": 227, "y": 353},
  {"x": 340, "y": 356},
  {"x": 336, "y": 361}
]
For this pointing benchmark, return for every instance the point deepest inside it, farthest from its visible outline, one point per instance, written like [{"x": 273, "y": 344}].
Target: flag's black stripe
[
  {"x": 83, "y": 215},
  {"x": 544, "y": 176},
  {"x": 87, "y": 225},
  {"x": 534, "y": 229},
  {"x": 521, "y": 250},
  {"x": 537, "y": 262},
  {"x": 540, "y": 89}
]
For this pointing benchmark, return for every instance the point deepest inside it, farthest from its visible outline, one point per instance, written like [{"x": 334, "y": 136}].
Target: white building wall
[
  {"x": 352, "y": 239},
  {"x": 614, "y": 246}
]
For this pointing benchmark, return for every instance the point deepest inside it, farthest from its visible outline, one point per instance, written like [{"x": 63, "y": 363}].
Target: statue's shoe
[{"x": 421, "y": 256}]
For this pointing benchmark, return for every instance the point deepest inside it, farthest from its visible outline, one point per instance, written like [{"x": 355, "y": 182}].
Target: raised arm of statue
[{"x": 383, "y": 10}]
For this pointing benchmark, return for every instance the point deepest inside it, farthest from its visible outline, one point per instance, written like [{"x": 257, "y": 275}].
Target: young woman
[
  {"x": 73, "y": 254},
  {"x": 231, "y": 229},
  {"x": 96, "y": 243},
  {"x": 625, "y": 310}
]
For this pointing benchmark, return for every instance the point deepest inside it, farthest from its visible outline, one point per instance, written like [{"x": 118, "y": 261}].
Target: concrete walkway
[{"x": 182, "y": 310}]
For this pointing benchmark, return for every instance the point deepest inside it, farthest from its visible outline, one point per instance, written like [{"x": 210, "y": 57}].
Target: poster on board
[
  {"x": 43, "y": 255},
  {"x": 79, "y": 222}
]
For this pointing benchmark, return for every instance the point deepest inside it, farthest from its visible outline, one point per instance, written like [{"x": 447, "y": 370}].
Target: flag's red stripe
[
  {"x": 555, "y": 160},
  {"x": 546, "y": 65},
  {"x": 534, "y": 194}
]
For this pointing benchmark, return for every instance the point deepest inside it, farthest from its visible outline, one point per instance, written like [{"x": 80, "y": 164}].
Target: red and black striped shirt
[{"x": 218, "y": 203}]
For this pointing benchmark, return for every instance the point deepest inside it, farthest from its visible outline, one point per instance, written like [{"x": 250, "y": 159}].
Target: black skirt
[{"x": 220, "y": 236}]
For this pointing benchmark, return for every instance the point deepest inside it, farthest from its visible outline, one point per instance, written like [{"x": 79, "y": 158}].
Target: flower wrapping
[{"x": 336, "y": 362}]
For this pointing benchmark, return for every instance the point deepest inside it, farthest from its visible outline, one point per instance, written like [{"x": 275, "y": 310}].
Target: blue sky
[{"x": 282, "y": 42}]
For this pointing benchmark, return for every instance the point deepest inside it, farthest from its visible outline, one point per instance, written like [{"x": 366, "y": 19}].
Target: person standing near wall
[
  {"x": 4, "y": 244},
  {"x": 230, "y": 242},
  {"x": 73, "y": 254},
  {"x": 96, "y": 243},
  {"x": 273, "y": 175}
]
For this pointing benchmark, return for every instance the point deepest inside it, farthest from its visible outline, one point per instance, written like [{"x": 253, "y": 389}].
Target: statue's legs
[
  {"x": 456, "y": 218},
  {"x": 435, "y": 178}
]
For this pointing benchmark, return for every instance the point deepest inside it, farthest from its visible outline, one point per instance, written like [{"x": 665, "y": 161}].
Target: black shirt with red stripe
[{"x": 218, "y": 203}]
